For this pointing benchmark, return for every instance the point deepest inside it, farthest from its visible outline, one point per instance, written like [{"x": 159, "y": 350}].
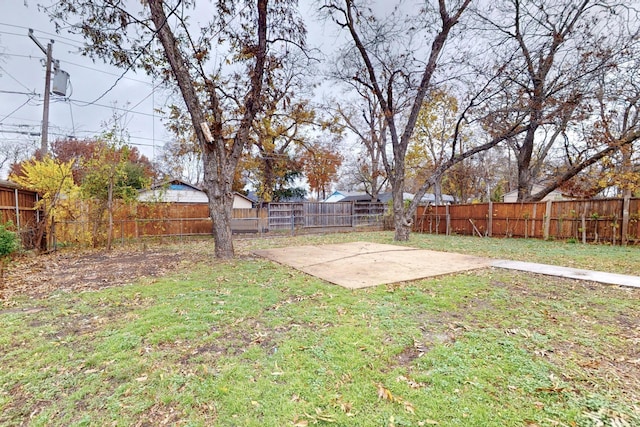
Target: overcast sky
[
  {"x": 81, "y": 114},
  {"x": 22, "y": 70},
  {"x": 90, "y": 99}
]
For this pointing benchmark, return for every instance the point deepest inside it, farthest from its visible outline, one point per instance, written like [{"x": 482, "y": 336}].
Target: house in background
[
  {"x": 341, "y": 195},
  {"x": 360, "y": 196},
  {"x": 178, "y": 191},
  {"x": 512, "y": 196}
]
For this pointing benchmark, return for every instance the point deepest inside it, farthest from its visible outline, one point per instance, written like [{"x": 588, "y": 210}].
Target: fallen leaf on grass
[
  {"x": 409, "y": 407},
  {"x": 589, "y": 363},
  {"x": 320, "y": 416},
  {"x": 411, "y": 383},
  {"x": 385, "y": 394},
  {"x": 551, "y": 389}
]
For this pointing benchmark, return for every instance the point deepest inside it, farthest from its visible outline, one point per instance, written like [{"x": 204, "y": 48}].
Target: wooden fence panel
[
  {"x": 431, "y": 219},
  {"x": 598, "y": 220},
  {"x": 319, "y": 214},
  {"x": 633, "y": 233},
  {"x": 518, "y": 219},
  {"x": 286, "y": 216},
  {"x": 367, "y": 214},
  {"x": 18, "y": 207}
]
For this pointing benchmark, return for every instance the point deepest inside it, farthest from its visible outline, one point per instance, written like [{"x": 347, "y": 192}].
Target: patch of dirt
[
  {"x": 41, "y": 275},
  {"x": 234, "y": 342},
  {"x": 159, "y": 415}
]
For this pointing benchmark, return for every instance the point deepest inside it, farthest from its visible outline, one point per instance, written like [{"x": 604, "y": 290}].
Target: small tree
[
  {"x": 109, "y": 175},
  {"x": 53, "y": 180},
  {"x": 320, "y": 164}
]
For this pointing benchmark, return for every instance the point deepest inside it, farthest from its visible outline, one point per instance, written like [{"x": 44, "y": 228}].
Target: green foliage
[
  {"x": 111, "y": 168},
  {"x": 9, "y": 242},
  {"x": 285, "y": 190}
]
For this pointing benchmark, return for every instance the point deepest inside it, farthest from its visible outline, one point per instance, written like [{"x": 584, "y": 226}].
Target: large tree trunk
[
  {"x": 401, "y": 223},
  {"x": 219, "y": 189},
  {"x": 524, "y": 156},
  {"x": 221, "y": 209}
]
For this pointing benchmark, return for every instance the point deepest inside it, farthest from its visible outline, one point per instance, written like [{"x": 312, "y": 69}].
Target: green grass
[{"x": 253, "y": 343}]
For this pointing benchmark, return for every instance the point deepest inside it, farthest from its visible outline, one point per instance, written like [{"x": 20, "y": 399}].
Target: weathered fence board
[
  {"x": 599, "y": 220},
  {"x": 18, "y": 207}
]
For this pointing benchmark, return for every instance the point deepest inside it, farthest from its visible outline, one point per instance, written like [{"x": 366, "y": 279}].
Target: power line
[
  {"x": 78, "y": 103},
  {"x": 22, "y": 35},
  {"x": 16, "y": 80},
  {"x": 9, "y": 115},
  {"x": 15, "y": 55},
  {"x": 66, "y": 135},
  {"x": 20, "y": 132},
  {"x": 145, "y": 47},
  {"x": 55, "y": 36},
  {"x": 13, "y": 92},
  {"x": 107, "y": 72},
  {"x": 11, "y": 34},
  {"x": 40, "y": 31}
]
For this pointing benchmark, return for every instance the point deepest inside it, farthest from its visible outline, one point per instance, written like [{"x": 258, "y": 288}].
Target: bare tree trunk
[
  {"x": 110, "y": 214},
  {"x": 220, "y": 209},
  {"x": 218, "y": 189}
]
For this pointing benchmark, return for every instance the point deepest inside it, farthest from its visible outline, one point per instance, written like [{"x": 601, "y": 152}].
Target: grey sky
[
  {"x": 80, "y": 115},
  {"x": 22, "y": 70}
]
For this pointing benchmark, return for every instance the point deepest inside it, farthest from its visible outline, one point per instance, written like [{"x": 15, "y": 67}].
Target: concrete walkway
[{"x": 570, "y": 273}]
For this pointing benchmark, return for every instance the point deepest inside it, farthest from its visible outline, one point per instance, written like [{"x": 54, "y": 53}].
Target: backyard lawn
[{"x": 165, "y": 335}]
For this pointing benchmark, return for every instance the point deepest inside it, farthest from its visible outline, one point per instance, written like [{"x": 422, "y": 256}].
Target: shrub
[{"x": 8, "y": 240}]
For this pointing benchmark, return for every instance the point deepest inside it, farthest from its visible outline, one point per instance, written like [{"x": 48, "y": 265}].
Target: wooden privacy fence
[
  {"x": 184, "y": 219},
  {"x": 615, "y": 221},
  {"x": 162, "y": 220},
  {"x": 18, "y": 207},
  {"x": 319, "y": 215}
]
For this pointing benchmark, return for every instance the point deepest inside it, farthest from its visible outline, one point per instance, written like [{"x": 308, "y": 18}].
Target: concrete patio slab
[
  {"x": 570, "y": 273},
  {"x": 362, "y": 264}
]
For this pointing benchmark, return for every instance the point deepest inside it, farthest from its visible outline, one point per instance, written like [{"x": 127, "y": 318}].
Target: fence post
[
  {"x": 490, "y": 220},
  {"x": 17, "y": 210},
  {"x": 353, "y": 214},
  {"x": 448, "y": 219},
  {"x": 547, "y": 220},
  {"x": 533, "y": 220},
  {"x": 625, "y": 219}
]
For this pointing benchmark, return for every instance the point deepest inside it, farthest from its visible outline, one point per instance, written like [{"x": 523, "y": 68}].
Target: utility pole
[{"x": 44, "y": 144}]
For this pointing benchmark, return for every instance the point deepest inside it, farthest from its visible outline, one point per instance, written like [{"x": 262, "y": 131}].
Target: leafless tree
[
  {"x": 552, "y": 53},
  {"x": 387, "y": 69}
]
